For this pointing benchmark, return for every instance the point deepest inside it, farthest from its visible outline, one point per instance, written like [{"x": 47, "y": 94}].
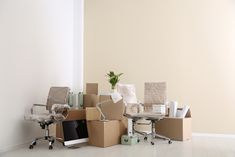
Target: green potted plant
[{"x": 113, "y": 79}]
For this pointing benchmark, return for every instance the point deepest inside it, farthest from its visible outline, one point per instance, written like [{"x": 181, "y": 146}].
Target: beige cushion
[{"x": 154, "y": 93}]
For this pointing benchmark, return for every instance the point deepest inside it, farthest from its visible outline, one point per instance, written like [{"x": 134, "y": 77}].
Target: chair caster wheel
[
  {"x": 50, "y": 147},
  {"x": 169, "y": 142},
  {"x": 34, "y": 143},
  {"x": 152, "y": 143},
  {"x": 145, "y": 138},
  {"x": 31, "y": 147},
  {"x": 138, "y": 141}
]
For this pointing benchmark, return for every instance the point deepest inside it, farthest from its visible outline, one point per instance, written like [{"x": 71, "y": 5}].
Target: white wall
[
  {"x": 78, "y": 45},
  {"x": 36, "y": 52}
]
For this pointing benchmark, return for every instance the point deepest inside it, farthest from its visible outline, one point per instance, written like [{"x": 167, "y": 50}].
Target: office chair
[
  {"x": 128, "y": 93},
  {"x": 154, "y": 94},
  {"x": 57, "y": 111}
]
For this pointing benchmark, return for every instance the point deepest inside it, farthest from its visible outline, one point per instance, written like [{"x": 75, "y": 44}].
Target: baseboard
[
  {"x": 14, "y": 147},
  {"x": 213, "y": 135}
]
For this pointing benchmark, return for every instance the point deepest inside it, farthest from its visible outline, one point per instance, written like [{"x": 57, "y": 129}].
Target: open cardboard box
[
  {"x": 113, "y": 111},
  {"x": 176, "y": 128},
  {"x": 106, "y": 133}
]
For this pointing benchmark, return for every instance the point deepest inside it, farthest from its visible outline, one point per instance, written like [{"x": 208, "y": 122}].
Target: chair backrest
[
  {"x": 128, "y": 93},
  {"x": 154, "y": 93},
  {"x": 57, "y": 95}
]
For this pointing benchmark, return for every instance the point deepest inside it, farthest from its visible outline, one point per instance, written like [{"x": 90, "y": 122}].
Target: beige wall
[{"x": 188, "y": 43}]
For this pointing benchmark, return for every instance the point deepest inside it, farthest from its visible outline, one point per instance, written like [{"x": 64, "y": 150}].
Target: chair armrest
[{"x": 34, "y": 105}]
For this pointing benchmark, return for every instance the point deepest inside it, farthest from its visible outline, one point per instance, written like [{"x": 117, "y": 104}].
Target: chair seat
[
  {"x": 39, "y": 117},
  {"x": 45, "y": 117}
]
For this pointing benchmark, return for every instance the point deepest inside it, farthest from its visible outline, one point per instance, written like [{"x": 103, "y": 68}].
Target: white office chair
[
  {"x": 152, "y": 93},
  {"x": 155, "y": 94},
  {"x": 133, "y": 106}
]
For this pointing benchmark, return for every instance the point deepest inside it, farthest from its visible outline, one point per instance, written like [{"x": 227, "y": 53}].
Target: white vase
[{"x": 114, "y": 90}]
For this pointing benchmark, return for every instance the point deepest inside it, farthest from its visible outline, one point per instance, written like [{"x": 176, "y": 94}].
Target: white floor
[{"x": 197, "y": 147}]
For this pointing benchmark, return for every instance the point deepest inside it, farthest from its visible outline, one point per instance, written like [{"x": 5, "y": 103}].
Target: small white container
[
  {"x": 159, "y": 109},
  {"x": 173, "y": 109}
]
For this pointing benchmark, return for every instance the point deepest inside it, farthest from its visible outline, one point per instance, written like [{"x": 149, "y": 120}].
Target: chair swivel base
[
  {"x": 50, "y": 139},
  {"x": 155, "y": 135},
  {"x": 152, "y": 134},
  {"x": 47, "y": 137}
]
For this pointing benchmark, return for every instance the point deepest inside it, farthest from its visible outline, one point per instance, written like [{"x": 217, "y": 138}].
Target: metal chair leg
[{"x": 47, "y": 137}]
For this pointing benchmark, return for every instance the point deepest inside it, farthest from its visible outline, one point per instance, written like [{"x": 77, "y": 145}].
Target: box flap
[{"x": 113, "y": 111}]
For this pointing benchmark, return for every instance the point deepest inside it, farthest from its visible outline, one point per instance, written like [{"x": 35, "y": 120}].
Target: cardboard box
[
  {"x": 103, "y": 98},
  {"x": 76, "y": 114},
  {"x": 105, "y": 133},
  {"x": 92, "y": 113},
  {"x": 90, "y": 100},
  {"x": 175, "y": 128},
  {"x": 113, "y": 111},
  {"x": 92, "y": 88},
  {"x": 72, "y": 115}
]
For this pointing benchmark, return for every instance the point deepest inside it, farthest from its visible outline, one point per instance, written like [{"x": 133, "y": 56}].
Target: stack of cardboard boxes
[
  {"x": 91, "y": 98},
  {"x": 108, "y": 132}
]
